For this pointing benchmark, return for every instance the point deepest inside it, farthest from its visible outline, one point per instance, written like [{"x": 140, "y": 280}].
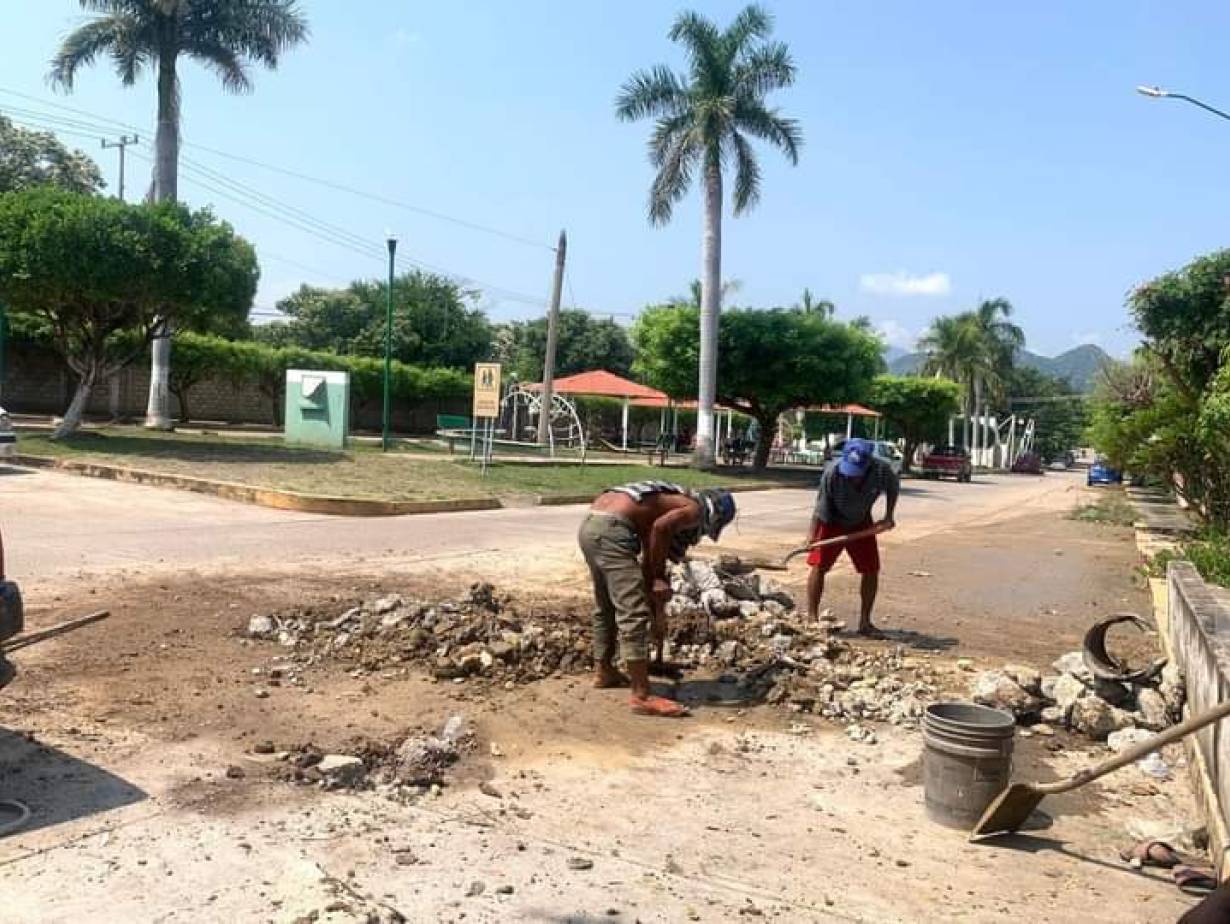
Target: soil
[{"x": 744, "y": 810}]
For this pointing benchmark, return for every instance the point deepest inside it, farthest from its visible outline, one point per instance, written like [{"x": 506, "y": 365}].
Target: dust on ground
[{"x": 144, "y": 747}]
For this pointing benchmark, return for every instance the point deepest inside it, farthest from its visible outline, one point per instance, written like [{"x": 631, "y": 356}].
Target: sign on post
[
  {"x": 486, "y": 406},
  {"x": 486, "y": 390}
]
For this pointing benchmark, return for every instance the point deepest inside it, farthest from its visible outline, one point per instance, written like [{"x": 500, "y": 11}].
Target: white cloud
[
  {"x": 903, "y": 284},
  {"x": 897, "y": 334}
]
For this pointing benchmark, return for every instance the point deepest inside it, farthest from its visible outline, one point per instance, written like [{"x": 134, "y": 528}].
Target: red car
[
  {"x": 12, "y": 618},
  {"x": 947, "y": 462}
]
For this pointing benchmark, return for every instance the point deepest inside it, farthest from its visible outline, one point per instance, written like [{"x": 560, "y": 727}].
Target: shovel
[
  {"x": 770, "y": 564},
  {"x": 1014, "y": 805}
]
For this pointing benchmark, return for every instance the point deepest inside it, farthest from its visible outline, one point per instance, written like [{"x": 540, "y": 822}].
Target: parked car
[
  {"x": 12, "y": 617},
  {"x": 947, "y": 462},
  {"x": 8, "y": 436},
  {"x": 885, "y": 452},
  {"x": 1028, "y": 463},
  {"x": 1102, "y": 472}
]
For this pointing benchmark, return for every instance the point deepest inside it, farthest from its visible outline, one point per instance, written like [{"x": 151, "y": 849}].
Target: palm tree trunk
[
  {"x": 166, "y": 188},
  {"x": 710, "y": 307}
]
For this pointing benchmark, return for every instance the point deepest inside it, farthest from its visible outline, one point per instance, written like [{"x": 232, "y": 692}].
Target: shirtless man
[{"x": 627, "y": 538}]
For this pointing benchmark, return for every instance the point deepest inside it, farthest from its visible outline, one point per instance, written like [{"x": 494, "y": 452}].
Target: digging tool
[
  {"x": 770, "y": 564},
  {"x": 33, "y": 638},
  {"x": 1013, "y": 806}
]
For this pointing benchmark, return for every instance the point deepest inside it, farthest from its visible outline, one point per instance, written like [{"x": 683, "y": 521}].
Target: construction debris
[{"x": 1075, "y": 698}]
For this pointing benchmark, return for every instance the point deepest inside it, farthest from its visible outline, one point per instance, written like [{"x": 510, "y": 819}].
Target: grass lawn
[{"x": 362, "y": 471}]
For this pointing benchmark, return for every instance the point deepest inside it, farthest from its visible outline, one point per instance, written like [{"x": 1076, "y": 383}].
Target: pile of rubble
[
  {"x": 722, "y": 618},
  {"x": 1073, "y": 697}
]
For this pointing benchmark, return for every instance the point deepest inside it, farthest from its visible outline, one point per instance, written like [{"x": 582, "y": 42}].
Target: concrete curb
[
  {"x": 310, "y": 503},
  {"x": 1149, "y": 544},
  {"x": 262, "y": 497}
]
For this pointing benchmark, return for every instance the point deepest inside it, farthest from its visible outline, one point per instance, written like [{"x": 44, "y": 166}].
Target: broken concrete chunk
[
  {"x": 341, "y": 770},
  {"x": 1120, "y": 741},
  {"x": 1073, "y": 663},
  {"x": 1067, "y": 690},
  {"x": 1152, "y": 709},
  {"x": 1097, "y": 718},
  {"x": 999, "y": 691},
  {"x": 1026, "y": 677},
  {"x": 260, "y": 626}
]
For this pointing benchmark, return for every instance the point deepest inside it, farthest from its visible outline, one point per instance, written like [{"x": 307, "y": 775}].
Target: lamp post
[
  {"x": 1159, "y": 93},
  {"x": 388, "y": 346}
]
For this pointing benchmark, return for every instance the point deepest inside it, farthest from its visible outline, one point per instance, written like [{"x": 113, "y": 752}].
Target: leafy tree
[
  {"x": 226, "y": 36},
  {"x": 809, "y": 304},
  {"x": 770, "y": 361},
  {"x": 705, "y": 120},
  {"x": 29, "y": 158},
  {"x": 584, "y": 343},
  {"x": 96, "y": 273},
  {"x": 434, "y": 321},
  {"x": 1060, "y": 413},
  {"x": 917, "y": 407}
]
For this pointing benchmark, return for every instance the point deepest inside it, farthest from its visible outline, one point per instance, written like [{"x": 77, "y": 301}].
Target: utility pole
[
  {"x": 548, "y": 362},
  {"x": 388, "y": 345},
  {"x": 123, "y": 143}
]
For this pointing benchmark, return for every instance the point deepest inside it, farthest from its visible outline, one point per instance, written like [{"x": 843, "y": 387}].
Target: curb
[
  {"x": 1148, "y": 544},
  {"x": 262, "y": 497},
  {"x": 311, "y": 503}
]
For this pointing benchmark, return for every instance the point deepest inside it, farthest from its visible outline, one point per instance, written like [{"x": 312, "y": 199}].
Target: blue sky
[{"x": 954, "y": 150}]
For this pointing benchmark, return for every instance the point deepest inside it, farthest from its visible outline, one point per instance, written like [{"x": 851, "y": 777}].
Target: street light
[
  {"x": 1159, "y": 93},
  {"x": 388, "y": 346}
]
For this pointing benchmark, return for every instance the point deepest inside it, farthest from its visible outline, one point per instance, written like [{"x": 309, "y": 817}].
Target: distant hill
[{"x": 1078, "y": 365}]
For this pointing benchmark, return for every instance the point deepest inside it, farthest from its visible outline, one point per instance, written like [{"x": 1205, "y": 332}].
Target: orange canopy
[{"x": 603, "y": 384}]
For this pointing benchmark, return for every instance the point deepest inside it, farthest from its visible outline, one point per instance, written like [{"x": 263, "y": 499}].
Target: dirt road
[{"x": 136, "y": 743}]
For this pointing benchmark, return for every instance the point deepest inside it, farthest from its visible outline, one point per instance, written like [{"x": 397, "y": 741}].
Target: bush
[{"x": 1209, "y": 553}]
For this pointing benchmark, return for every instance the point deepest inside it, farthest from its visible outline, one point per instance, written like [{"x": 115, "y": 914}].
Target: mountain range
[{"x": 1078, "y": 365}]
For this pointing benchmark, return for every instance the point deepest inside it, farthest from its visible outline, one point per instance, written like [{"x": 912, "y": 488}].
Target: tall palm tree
[
  {"x": 227, "y": 36},
  {"x": 956, "y": 350},
  {"x": 695, "y": 294},
  {"x": 809, "y": 304},
  {"x": 704, "y": 122},
  {"x": 1002, "y": 339}
]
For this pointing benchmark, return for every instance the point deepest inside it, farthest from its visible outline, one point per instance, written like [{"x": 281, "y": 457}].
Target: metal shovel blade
[{"x": 1009, "y": 812}]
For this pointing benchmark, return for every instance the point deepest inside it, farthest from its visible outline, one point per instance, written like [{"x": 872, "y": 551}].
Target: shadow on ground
[
  {"x": 197, "y": 450},
  {"x": 56, "y": 786}
]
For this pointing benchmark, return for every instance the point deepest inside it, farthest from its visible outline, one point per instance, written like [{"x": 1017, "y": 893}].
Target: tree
[
  {"x": 96, "y": 273},
  {"x": 434, "y": 321},
  {"x": 227, "y": 36},
  {"x": 954, "y": 349},
  {"x": 694, "y": 297},
  {"x": 809, "y": 304},
  {"x": 584, "y": 343},
  {"x": 917, "y": 407},
  {"x": 1060, "y": 413},
  {"x": 704, "y": 121},
  {"x": 29, "y": 158},
  {"x": 770, "y": 361}
]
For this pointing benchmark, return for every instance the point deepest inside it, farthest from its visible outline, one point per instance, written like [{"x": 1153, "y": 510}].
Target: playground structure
[{"x": 992, "y": 443}]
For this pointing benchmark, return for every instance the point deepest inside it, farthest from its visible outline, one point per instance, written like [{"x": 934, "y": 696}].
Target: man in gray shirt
[{"x": 849, "y": 488}]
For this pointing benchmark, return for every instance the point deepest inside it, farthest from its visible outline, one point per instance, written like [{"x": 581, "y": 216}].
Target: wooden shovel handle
[
  {"x": 1134, "y": 753},
  {"x": 838, "y": 540}
]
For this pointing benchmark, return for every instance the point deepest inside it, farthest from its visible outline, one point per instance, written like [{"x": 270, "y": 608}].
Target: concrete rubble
[
  {"x": 1074, "y": 698},
  {"x": 741, "y": 627}
]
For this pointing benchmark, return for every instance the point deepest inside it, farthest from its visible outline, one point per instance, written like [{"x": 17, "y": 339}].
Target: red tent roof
[
  {"x": 602, "y": 384},
  {"x": 857, "y": 410}
]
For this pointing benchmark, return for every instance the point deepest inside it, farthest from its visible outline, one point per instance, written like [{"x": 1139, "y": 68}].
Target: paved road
[{"x": 57, "y": 524}]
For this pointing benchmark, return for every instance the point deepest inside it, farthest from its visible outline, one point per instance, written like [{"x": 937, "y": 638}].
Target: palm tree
[
  {"x": 956, "y": 350},
  {"x": 704, "y": 121},
  {"x": 1001, "y": 340},
  {"x": 138, "y": 35},
  {"x": 694, "y": 296}
]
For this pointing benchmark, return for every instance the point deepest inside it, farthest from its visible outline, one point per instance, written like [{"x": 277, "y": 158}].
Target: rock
[
  {"x": 999, "y": 691},
  {"x": 1073, "y": 663},
  {"x": 1026, "y": 678},
  {"x": 746, "y": 588},
  {"x": 1097, "y": 718},
  {"x": 1046, "y": 687},
  {"x": 774, "y": 608},
  {"x": 701, "y": 576},
  {"x": 235, "y": 772},
  {"x": 716, "y": 603},
  {"x": 489, "y": 789},
  {"x": 504, "y": 890},
  {"x": 476, "y": 889},
  {"x": 263, "y": 747},
  {"x": 262, "y": 693},
  {"x": 748, "y": 609},
  {"x": 1173, "y": 688},
  {"x": 1067, "y": 690},
  {"x": 261, "y": 626},
  {"x": 341, "y": 770},
  {"x": 580, "y": 863},
  {"x": 1152, "y": 709},
  {"x": 454, "y": 729},
  {"x": 1120, "y": 741},
  {"x": 1043, "y": 730},
  {"x": 965, "y": 664},
  {"x": 387, "y": 604}
]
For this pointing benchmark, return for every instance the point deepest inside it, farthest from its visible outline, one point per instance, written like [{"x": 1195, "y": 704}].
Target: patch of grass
[
  {"x": 1112, "y": 508},
  {"x": 1209, "y": 552},
  {"x": 360, "y": 472}
]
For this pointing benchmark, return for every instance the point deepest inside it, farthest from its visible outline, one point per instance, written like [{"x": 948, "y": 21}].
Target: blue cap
[{"x": 855, "y": 457}]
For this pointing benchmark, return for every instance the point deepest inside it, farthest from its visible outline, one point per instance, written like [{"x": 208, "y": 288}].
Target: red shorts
[{"x": 865, "y": 553}]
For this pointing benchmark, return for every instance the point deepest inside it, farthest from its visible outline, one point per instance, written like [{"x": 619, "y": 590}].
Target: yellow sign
[{"x": 486, "y": 390}]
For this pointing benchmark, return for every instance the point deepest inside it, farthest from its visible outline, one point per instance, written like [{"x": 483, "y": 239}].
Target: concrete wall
[
  {"x": 1199, "y": 626},
  {"x": 40, "y": 384}
]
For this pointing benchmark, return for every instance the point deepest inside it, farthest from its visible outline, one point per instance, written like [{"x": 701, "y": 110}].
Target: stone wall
[
  {"x": 1199, "y": 627},
  {"x": 38, "y": 383}
]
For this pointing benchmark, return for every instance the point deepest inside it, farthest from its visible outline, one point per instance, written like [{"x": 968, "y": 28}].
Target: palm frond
[
  {"x": 753, "y": 22},
  {"x": 83, "y": 45},
  {"x": 702, "y": 40},
  {"x": 673, "y": 179},
  {"x": 655, "y": 93},
  {"x": 747, "y": 174},
  {"x": 665, "y": 135},
  {"x": 763, "y": 70},
  {"x": 223, "y": 61},
  {"x": 751, "y": 116}
]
